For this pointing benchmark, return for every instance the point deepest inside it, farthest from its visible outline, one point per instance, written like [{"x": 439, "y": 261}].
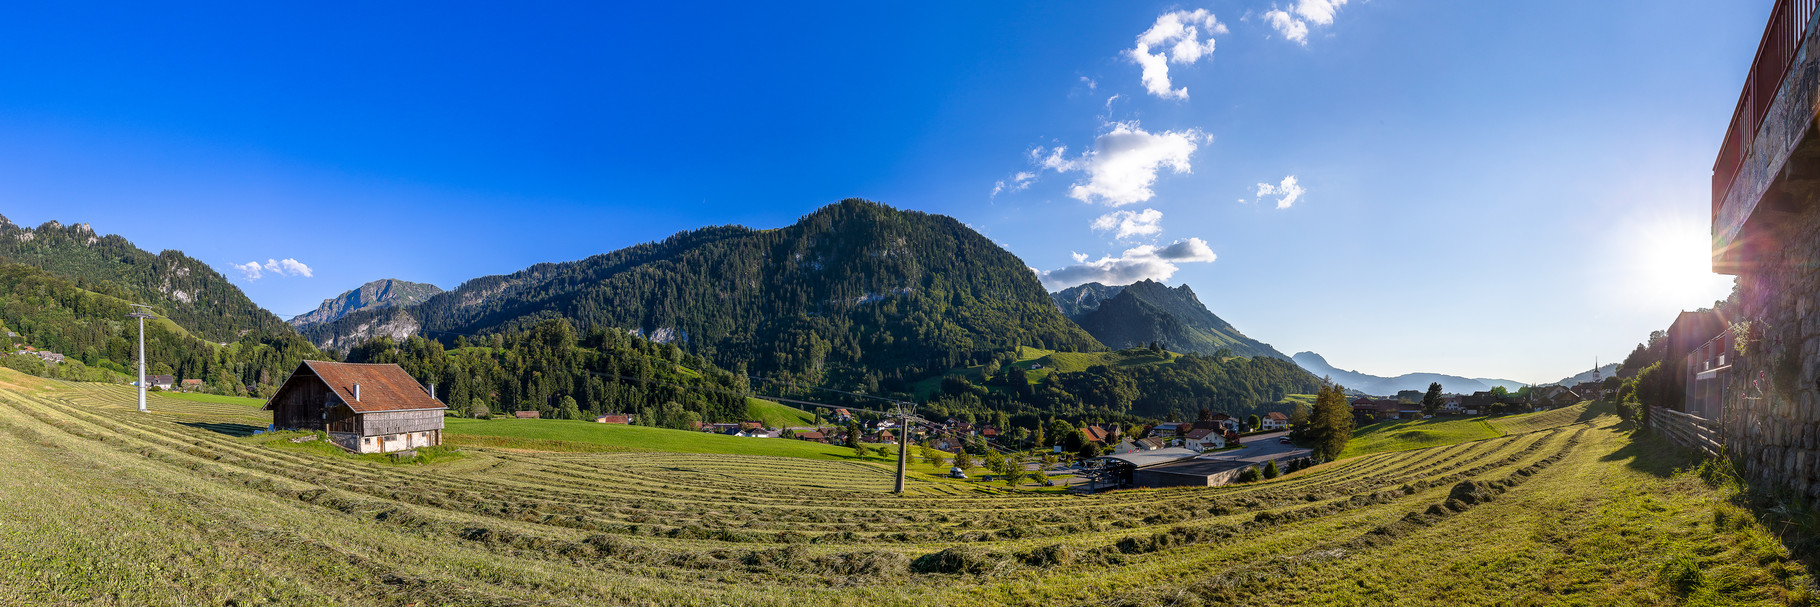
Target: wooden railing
[
  {"x": 1686, "y": 430},
  {"x": 1783, "y": 36}
]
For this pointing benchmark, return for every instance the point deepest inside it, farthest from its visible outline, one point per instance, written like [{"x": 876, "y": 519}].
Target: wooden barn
[{"x": 365, "y": 408}]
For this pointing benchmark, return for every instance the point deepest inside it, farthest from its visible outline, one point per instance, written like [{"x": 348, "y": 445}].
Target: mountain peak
[{"x": 385, "y": 292}]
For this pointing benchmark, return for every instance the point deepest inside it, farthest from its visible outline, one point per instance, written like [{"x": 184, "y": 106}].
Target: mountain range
[
  {"x": 1387, "y": 386},
  {"x": 1608, "y": 370},
  {"x": 1148, "y": 312},
  {"x": 381, "y": 293},
  {"x": 856, "y": 291}
]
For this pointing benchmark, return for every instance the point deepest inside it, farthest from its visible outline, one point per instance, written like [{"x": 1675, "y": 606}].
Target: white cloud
[
  {"x": 1124, "y": 162},
  {"x": 1091, "y": 85},
  {"x": 1295, "y": 27},
  {"x": 1319, "y": 11},
  {"x": 1147, "y": 222},
  {"x": 1176, "y": 38},
  {"x": 277, "y": 267},
  {"x": 250, "y": 269},
  {"x": 1290, "y": 27},
  {"x": 1020, "y": 181},
  {"x": 1286, "y": 192},
  {"x": 1135, "y": 264}
]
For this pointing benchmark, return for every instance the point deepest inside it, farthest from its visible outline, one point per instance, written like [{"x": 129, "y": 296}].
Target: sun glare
[{"x": 1672, "y": 267}]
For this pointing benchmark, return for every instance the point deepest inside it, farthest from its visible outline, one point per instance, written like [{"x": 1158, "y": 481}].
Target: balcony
[{"x": 1767, "y": 160}]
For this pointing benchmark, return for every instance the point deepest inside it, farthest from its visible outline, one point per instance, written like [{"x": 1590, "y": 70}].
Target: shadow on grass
[
  {"x": 1648, "y": 452},
  {"x": 1595, "y": 410},
  {"x": 228, "y": 429}
]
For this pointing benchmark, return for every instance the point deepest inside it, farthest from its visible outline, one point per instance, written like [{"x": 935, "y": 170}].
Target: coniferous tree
[{"x": 1431, "y": 402}]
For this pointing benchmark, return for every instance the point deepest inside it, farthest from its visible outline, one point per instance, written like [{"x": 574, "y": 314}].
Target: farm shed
[
  {"x": 364, "y": 408},
  {"x": 1123, "y": 470}
]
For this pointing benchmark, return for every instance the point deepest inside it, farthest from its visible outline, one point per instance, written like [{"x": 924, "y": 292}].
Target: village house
[
  {"x": 1453, "y": 405},
  {"x": 814, "y": 436},
  {"x": 161, "y": 382},
  {"x": 527, "y": 414},
  {"x": 1203, "y": 439},
  {"x": 1377, "y": 408},
  {"x": 617, "y": 418},
  {"x": 1275, "y": 421},
  {"x": 1094, "y": 434},
  {"x": 364, "y": 408},
  {"x": 50, "y": 357},
  {"x": 1167, "y": 429},
  {"x": 842, "y": 416},
  {"x": 190, "y": 384},
  {"x": 1478, "y": 402}
]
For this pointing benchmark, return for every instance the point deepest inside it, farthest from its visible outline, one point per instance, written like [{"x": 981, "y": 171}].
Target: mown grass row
[{"x": 651, "y": 528}]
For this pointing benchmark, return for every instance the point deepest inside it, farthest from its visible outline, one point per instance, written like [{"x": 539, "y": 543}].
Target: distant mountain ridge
[
  {"x": 1387, "y": 386},
  {"x": 1148, "y": 311},
  {"x": 1608, "y": 370},
  {"x": 183, "y": 288},
  {"x": 855, "y": 290},
  {"x": 380, "y": 293}
]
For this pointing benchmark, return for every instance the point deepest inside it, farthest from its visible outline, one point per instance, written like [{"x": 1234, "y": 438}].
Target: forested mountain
[
  {"x": 857, "y": 295},
  {"x": 1133, "y": 384},
  {"x": 191, "y": 293},
  {"x": 89, "y": 326},
  {"x": 550, "y": 366},
  {"x": 1386, "y": 386},
  {"x": 1149, "y": 312},
  {"x": 380, "y": 293}
]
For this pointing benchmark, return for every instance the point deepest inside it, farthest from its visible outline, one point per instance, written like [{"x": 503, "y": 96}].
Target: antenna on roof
[{"x": 141, "y": 312}]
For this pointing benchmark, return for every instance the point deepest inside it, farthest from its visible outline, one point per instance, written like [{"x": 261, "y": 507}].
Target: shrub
[
  {"x": 1270, "y": 469},
  {"x": 1249, "y": 475}
]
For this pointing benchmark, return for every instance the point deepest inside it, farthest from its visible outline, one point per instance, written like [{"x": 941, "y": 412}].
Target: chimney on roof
[
  {"x": 432, "y": 391},
  {"x": 356, "y": 392}
]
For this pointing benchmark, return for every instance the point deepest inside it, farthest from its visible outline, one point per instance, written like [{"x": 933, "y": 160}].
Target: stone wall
[{"x": 1770, "y": 420}]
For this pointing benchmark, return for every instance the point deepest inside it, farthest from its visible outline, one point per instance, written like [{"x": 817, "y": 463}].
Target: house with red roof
[{"x": 364, "y": 408}]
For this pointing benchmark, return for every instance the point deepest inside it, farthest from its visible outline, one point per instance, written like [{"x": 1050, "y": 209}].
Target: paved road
[{"x": 1261, "y": 448}]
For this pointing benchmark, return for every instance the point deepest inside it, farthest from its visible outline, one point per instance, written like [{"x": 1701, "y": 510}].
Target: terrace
[{"x": 1768, "y": 163}]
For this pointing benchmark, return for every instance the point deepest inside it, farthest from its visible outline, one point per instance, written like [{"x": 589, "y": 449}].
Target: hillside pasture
[
  {"x": 1402, "y": 435},
  {"x": 130, "y": 508}
]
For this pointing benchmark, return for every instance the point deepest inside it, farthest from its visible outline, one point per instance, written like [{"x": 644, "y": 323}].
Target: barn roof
[{"x": 383, "y": 387}]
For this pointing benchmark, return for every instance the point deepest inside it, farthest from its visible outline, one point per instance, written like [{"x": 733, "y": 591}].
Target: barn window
[{"x": 369, "y": 441}]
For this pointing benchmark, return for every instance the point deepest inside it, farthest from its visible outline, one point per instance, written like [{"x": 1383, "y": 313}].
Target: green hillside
[
  {"x": 89, "y": 326},
  {"x": 1134, "y": 384},
  {"x": 856, "y": 295},
  {"x": 187, "y": 291}
]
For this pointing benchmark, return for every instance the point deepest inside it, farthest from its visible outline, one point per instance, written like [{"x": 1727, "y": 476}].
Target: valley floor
[{"x": 103, "y": 505}]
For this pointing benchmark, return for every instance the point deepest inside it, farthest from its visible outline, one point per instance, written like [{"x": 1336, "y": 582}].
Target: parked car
[{"x": 1284, "y": 440}]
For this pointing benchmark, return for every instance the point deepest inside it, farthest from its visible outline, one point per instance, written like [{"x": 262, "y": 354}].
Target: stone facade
[{"x": 1770, "y": 420}]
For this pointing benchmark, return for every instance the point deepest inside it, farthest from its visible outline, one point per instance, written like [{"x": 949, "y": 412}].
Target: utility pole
[
  {"x": 903, "y": 446},
  {"x": 141, "y": 315}
]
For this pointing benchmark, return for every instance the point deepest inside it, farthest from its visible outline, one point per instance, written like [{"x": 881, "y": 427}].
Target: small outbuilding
[{"x": 364, "y": 408}]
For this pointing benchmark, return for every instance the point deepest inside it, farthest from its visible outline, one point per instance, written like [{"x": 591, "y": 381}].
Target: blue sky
[{"x": 1485, "y": 189}]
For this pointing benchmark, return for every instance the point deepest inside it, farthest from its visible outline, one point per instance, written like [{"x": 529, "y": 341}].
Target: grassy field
[
  {"x": 571, "y": 435},
  {"x": 167, "y": 508},
  {"x": 1402, "y": 435},
  {"x": 1039, "y": 363},
  {"x": 777, "y": 415},
  {"x": 216, "y": 398}
]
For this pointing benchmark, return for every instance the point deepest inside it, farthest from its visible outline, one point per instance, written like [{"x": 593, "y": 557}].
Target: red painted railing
[{"x": 1781, "y": 39}]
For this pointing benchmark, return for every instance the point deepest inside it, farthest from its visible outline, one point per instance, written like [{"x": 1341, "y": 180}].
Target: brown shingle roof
[
  {"x": 1275, "y": 415},
  {"x": 383, "y": 387}
]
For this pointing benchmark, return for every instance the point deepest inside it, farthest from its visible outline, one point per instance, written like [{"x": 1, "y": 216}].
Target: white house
[
  {"x": 1204, "y": 439},
  {"x": 1275, "y": 421}
]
